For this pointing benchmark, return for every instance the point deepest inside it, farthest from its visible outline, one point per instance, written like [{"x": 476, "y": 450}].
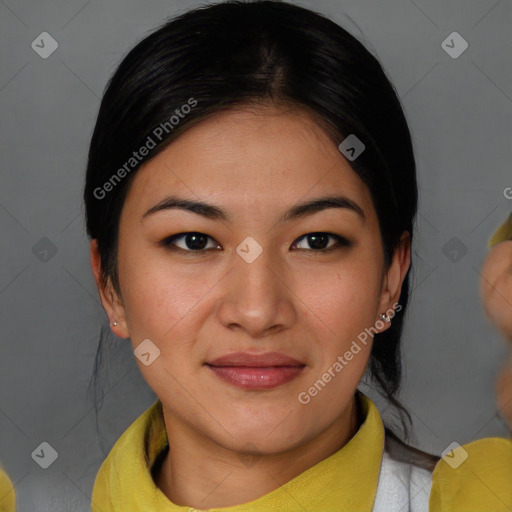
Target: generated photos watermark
[
  {"x": 156, "y": 136},
  {"x": 304, "y": 397}
]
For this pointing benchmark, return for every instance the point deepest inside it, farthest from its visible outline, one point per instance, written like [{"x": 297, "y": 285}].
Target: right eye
[{"x": 192, "y": 241}]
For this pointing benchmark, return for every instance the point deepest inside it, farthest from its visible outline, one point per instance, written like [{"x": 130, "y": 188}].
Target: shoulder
[
  {"x": 128, "y": 464},
  {"x": 7, "y": 495},
  {"x": 476, "y": 476}
]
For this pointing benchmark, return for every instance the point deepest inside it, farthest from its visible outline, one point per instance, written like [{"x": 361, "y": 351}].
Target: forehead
[{"x": 254, "y": 157}]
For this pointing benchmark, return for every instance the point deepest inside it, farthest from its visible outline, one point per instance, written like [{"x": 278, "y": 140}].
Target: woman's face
[{"x": 251, "y": 280}]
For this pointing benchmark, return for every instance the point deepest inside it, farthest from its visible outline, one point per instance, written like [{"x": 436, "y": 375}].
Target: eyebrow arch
[
  {"x": 213, "y": 212},
  {"x": 322, "y": 203}
]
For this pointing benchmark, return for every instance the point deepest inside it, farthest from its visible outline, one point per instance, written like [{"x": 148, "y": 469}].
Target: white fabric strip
[{"x": 402, "y": 487}]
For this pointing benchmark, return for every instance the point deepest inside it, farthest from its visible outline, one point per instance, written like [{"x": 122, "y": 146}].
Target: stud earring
[
  {"x": 115, "y": 323},
  {"x": 385, "y": 317}
]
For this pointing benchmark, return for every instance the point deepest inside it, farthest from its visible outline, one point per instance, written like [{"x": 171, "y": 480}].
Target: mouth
[{"x": 256, "y": 371}]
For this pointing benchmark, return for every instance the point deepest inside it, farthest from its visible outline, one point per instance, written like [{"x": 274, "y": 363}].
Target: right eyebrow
[{"x": 173, "y": 202}]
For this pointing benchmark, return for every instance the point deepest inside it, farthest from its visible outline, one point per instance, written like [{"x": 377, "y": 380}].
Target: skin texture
[
  {"x": 254, "y": 163},
  {"x": 496, "y": 290}
]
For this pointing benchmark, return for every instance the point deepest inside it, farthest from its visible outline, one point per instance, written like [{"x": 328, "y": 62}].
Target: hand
[
  {"x": 504, "y": 392},
  {"x": 496, "y": 287},
  {"x": 496, "y": 290}
]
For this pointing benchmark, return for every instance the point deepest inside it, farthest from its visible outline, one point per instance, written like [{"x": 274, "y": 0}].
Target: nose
[{"x": 257, "y": 297}]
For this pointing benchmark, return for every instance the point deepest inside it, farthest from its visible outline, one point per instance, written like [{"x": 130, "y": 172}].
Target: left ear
[{"x": 394, "y": 277}]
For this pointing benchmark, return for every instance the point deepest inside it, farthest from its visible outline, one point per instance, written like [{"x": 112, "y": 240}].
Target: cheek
[
  {"x": 343, "y": 308},
  {"x": 165, "y": 304},
  {"x": 345, "y": 297},
  {"x": 159, "y": 298}
]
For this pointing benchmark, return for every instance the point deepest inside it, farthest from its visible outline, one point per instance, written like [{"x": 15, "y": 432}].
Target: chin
[
  {"x": 271, "y": 435},
  {"x": 262, "y": 445}
]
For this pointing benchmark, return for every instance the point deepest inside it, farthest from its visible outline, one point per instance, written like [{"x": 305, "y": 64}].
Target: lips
[
  {"x": 256, "y": 371},
  {"x": 253, "y": 360}
]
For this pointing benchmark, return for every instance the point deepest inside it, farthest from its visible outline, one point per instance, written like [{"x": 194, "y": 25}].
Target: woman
[{"x": 250, "y": 196}]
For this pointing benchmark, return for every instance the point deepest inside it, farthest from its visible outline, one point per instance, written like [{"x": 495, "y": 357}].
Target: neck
[{"x": 199, "y": 473}]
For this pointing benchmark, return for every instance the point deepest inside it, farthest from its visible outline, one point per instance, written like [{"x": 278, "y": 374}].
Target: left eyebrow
[
  {"x": 303, "y": 209},
  {"x": 322, "y": 203}
]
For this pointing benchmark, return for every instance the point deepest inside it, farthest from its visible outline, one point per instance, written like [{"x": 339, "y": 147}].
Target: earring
[
  {"x": 385, "y": 317},
  {"x": 115, "y": 323}
]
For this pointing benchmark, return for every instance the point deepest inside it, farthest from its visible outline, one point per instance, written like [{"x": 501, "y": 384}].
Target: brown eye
[
  {"x": 191, "y": 242},
  {"x": 318, "y": 241}
]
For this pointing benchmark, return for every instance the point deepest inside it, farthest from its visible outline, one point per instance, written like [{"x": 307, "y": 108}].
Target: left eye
[{"x": 318, "y": 240}]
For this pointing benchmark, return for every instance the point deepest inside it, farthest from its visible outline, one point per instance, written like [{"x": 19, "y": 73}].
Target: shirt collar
[{"x": 347, "y": 480}]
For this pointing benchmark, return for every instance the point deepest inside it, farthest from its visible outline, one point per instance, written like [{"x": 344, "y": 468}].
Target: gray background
[{"x": 460, "y": 116}]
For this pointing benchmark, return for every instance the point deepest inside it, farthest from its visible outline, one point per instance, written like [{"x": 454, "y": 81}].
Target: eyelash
[{"x": 341, "y": 242}]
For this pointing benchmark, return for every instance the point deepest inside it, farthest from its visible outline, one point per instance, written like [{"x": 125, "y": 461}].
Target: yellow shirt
[
  {"x": 344, "y": 482},
  {"x": 7, "y": 496}
]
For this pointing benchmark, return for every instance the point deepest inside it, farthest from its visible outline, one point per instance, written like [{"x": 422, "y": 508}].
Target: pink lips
[{"x": 256, "y": 371}]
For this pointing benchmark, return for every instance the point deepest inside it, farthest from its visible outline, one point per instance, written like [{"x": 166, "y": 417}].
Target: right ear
[{"x": 109, "y": 298}]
